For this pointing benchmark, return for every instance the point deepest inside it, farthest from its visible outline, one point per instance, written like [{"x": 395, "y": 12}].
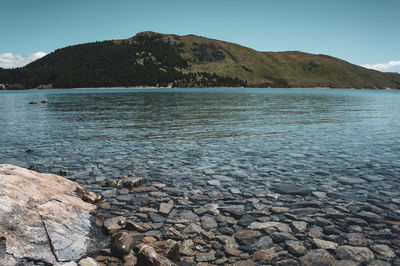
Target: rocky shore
[{"x": 219, "y": 222}]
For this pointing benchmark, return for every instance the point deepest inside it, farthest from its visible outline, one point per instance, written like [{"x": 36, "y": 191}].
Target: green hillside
[{"x": 153, "y": 59}]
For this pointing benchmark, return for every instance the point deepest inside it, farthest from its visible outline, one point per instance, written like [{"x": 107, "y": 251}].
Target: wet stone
[
  {"x": 299, "y": 226},
  {"x": 384, "y": 250},
  {"x": 87, "y": 262},
  {"x": 208, "y": 223},
  {"x": 231, "y": 251},
  {"x": 147, "y": 255},
  {"x": 323, "y": 244},
  {"x": 193, "y": 228},
  {"x": 280, "y": 237},
  {"x": 317, "y": 257},
  {"x": 381, "y": 263},
  {"x": 296, "y": 248},
  {"x": 319, "y": 194},
  {"x": 64, "y": 172},
  {"x": 121, "y": 244},
  {"x": 205, "y": 257},
  {"x": 358, "y": 254},
  {"x": 279, "y": 209},
  {"x": 345, "y": 263},
  {"x": 356, "y": 239},
  {"x": 226, "y": 220},
  {"x": 264, "y": 256},
  {"x": 370, "y": 217},
  {"x": 156, "y": 218},
  {"x": 244, "y": 263},
  {"x": 135, "y": 226},
  {"x": 112, "y": 225},
  {"x": 172, "y": 233},
  {"x": 214, "y": 183},
  {"x": 264, "y": 242},
  {"x": 247, "y": 237},
  {"x": 246, "y": 220},
  {"x": 226, "y": 230},
  {"x": 287, "y": 262},
  {"x": 350, "y": 180},
  {"x": 168, "y": 248},
  {"x": 210, "y": 208},
  {"x": 236, "y": 211},
  {"x": 165, "y": 208},
  {"x": 189, "y": 215},
  {"x": 265, "y": 225},
  {"x": 356, "y": 221},
  {"x": 132, "y": 182},
  {"x": 291, "y": 189}
]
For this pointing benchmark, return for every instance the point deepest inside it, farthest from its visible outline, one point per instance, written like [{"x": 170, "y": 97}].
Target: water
[{"x": 247, "y": 138}]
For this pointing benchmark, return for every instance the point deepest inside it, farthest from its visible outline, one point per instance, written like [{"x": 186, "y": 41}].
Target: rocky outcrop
[{"x": 41, "y": 217}]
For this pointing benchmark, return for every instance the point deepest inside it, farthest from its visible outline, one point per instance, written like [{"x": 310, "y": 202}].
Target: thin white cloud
[
  {"x": 383, "y": 66},
  {"x": 10, "y": 60}
]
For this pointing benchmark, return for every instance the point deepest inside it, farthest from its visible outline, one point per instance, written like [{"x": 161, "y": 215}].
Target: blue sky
[{"x": 359, "y": 31}]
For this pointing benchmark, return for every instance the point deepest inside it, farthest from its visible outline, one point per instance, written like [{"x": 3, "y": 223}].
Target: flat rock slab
[{"x": 41, "y": 217}]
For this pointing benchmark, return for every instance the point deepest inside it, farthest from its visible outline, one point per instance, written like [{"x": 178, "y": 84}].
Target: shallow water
[{"x": 249, "y": 137}]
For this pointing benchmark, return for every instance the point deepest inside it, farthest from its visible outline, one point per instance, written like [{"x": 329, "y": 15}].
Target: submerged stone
[{"x": 291, "y": 189}]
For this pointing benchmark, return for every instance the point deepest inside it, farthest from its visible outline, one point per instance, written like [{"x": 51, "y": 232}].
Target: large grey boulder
[{"x": 41, "y": 217}]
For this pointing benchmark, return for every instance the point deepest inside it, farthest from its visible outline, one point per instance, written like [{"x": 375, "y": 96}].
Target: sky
[{"x": 362, "y": 32}]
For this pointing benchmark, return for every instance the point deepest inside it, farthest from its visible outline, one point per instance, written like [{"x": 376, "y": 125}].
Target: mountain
[{"x": 154, "y": 59}]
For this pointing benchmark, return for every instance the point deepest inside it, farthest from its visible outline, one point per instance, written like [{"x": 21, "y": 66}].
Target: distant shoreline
[{"x": 152, "y": 87}]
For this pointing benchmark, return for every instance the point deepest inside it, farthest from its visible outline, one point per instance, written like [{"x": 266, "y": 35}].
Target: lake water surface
[{"x": 247, "y": 138}]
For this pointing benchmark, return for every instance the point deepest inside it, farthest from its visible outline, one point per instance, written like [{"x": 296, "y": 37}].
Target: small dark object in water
[
  {"x": 44, "y": 101},
  {"x": 64, "y": 172},
  {"x": 32, "y": 102},
  {"x": 33, "y": 168},
  {"x": 30, "y": 150}
]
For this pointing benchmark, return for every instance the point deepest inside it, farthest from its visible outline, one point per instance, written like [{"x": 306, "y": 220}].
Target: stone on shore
[
  {"x": 121, "y": 244},
  {"x": 247, "y": 237},
  {"x": 169, "y": 249},
  {"x": 323, "y": 244},
  {"x": 148, "y": 256},
  {"x": 112, "y": 225},
  {"x": 358, "y": 254},
  {"x": 165, "y": 208},
  {"x": 265, "y": 257},
  {"x": 133, "y": 182},
  {"x": 87, "y": 262},
  {"x": 317, "y": 257},
  {"x": 384, "y": 250},
  {"x": 41, "y": 217}
]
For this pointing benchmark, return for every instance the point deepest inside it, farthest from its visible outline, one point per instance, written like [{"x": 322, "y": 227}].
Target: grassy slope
[{"x": 299, "y": 69}]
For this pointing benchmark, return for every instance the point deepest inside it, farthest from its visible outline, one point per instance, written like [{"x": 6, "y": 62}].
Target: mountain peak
[{"x": 148, "y": 33}]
